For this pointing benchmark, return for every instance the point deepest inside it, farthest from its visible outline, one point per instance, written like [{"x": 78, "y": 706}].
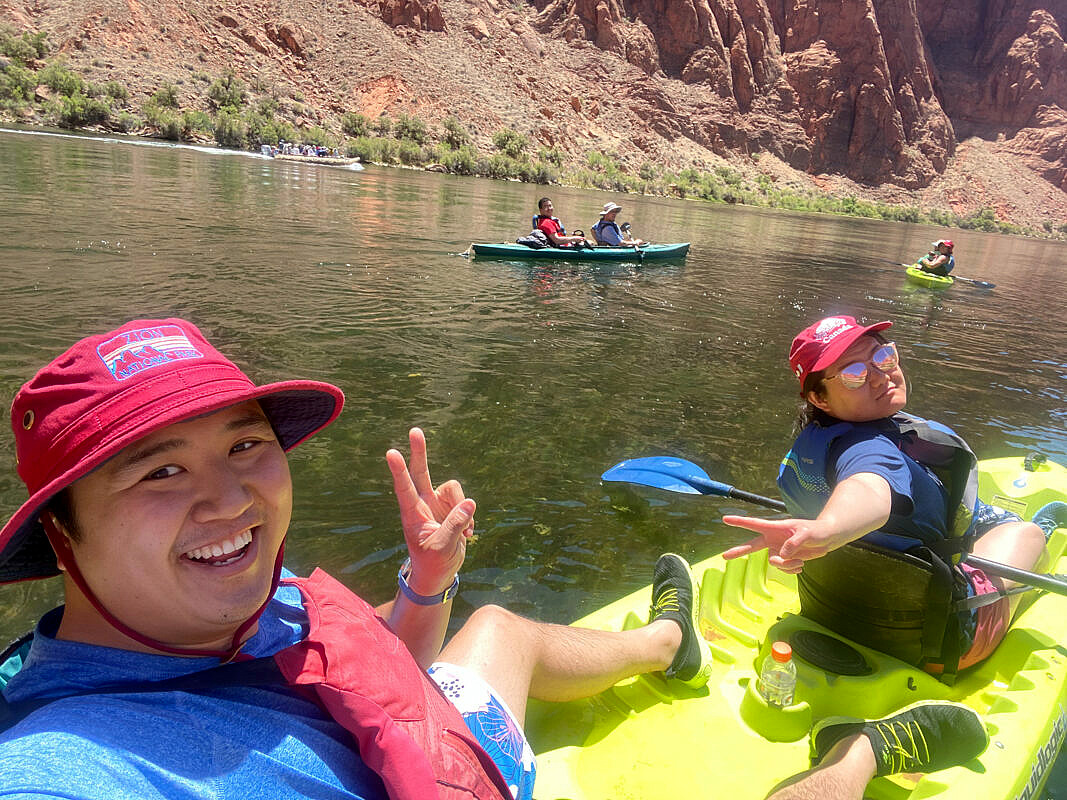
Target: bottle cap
[{"x": 782, "y": 652}]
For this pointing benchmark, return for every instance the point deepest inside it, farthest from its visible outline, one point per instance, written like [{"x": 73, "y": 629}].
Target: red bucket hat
[
  {"x": 820, "y": 345},
  {"x": 110, "y": 390}
]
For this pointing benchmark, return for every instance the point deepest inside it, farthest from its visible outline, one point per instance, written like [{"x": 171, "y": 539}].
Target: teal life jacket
[
  {"x": 803, "y": 482},
  {"x": 892, "y": 593}
]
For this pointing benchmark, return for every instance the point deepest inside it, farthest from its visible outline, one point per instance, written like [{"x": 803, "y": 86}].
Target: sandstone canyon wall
[
  {"x": 871, "y": 88},
  {"x": 881, "y": 91}
]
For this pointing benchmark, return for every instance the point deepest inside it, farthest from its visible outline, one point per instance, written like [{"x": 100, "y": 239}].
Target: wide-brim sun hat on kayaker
[
  {"x": 609, "y": 207},
  {"x": 108, "y": 391},
  {"x": 819, "y": 345}
]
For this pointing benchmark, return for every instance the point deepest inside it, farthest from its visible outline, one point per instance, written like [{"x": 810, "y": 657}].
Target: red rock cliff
[{"x": 880, "y": 91}]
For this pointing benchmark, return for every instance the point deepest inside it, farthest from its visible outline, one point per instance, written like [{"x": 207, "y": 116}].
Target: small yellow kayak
[{"x": 917, "y": 274}]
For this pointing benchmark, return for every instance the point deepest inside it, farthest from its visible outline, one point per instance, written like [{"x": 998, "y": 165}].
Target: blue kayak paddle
[{"x": 678, "y": 475}]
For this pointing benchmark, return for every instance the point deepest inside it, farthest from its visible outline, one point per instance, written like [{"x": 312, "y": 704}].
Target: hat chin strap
[{"x": 63, "y": 550}]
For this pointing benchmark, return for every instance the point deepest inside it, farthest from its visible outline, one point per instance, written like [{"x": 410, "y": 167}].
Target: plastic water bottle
[{"x": 778, "y": 676}]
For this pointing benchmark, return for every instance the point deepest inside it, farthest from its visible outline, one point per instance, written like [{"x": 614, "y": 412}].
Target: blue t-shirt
[
  {"x": 232, "y": 742},
  {"x": 919, "y": 501}
]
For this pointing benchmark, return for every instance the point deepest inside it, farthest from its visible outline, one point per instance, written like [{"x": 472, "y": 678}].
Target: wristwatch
[{"x": 421, "y": 599}]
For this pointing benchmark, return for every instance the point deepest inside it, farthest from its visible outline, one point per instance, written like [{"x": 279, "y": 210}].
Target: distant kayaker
[
  {"x": 939, "y": 260},
  {"x": 553, "y": 228},
  {"x": 861, "y": 469},
  {"x": 187, "y": 662},
  {"x": 608, "y": 232}
]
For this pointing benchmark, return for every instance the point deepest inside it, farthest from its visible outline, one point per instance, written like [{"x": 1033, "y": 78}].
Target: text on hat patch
[
  {"x": 829, "y": 328},
  {"x": 133, "y": 352}
]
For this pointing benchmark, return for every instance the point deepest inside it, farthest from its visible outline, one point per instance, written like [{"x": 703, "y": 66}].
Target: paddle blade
[{"x": 670, "y": 474}]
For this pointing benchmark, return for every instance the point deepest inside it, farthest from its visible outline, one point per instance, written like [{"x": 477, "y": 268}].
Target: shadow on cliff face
[{"x": 870, "y": 89}]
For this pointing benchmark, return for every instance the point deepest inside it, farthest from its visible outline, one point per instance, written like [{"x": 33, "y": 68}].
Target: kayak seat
[{"x": 904, "y": 604}]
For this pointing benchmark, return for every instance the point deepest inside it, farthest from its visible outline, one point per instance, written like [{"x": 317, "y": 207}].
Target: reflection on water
[{"x": 530, "y": 379}]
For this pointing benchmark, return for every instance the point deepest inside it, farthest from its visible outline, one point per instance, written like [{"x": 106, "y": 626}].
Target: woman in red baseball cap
[
  {"x": 939, "y": 260},
  {"x": 860, "y": 468}
]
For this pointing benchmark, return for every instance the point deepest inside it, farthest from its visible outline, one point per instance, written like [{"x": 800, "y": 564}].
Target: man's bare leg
[
  {"x": 843, "y": 774},
  {"x": 521, "y": 658}
]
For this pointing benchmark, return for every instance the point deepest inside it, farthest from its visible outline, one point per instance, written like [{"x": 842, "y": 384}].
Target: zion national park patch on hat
[{"x": 133, "y": 352}]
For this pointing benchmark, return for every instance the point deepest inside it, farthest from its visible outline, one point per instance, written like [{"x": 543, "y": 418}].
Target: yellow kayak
[{"x": 650, "y": 739}]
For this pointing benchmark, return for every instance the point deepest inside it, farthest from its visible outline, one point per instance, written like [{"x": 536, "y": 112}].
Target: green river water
[{"x": 531, "y": 378}]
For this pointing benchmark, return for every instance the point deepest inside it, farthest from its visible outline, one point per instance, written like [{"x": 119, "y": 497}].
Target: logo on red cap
[
  {"x": 830, "y": 328},
  {"x": 133, "y": 352}
]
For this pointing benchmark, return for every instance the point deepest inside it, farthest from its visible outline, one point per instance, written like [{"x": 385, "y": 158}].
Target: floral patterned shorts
[{"x": 492, "y": 723}]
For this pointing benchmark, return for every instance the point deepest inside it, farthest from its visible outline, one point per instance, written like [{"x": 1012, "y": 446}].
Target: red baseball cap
[
  {"x": 108, "y": 391},
  {"x": 821, "y": 344}
]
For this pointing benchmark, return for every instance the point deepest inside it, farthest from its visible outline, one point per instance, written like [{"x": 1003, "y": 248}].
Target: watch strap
[{"x": 422, "y": 599}]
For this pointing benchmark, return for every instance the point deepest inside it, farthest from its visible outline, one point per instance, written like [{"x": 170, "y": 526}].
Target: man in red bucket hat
[{"x": 187, "y": 663}]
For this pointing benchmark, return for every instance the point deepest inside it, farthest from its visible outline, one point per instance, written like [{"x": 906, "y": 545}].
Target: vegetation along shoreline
[{"x": 37, "y": 89}]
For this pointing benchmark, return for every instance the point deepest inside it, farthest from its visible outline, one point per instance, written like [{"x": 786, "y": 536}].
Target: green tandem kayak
[
  {"x": 643, "y": 253},
  {"x": 650, "y": 739},
  {"x": 920, "y": 276}
]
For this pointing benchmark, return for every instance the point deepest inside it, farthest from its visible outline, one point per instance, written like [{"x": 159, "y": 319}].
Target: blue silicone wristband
[{"x": 421, "y": 599}]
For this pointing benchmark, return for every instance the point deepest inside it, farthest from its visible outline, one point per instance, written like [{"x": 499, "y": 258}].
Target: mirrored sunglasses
[{"x": 884, "y": 359}]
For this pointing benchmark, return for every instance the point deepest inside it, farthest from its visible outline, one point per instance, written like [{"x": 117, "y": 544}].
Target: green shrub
[
  {"x": 267, "y": 106},
  {"x": 456, "y": 136},
  {"x": 354, "y": 124},
  {"x": 263, "y": 129},
  {"x": 374, "y": 150},
  {"x": 502, "y": 165},
  {"x": 316, "y": 135},
  {"x": 596, "y": 160},
  {"x": 126, "y": 122},
  {"x": 539, "y": 172},
  {"x": 229, "y": 129},
  {"x": 411, "y": 129},
  {"x": 17, "y": 84},
  {"x": 383, "y": 126},
  {"x": 648, "y": 171},
  {"x": 510, "y": 142},
  {"x": 116, "y": 91},
  {"x": 462, "y": 161},
  {"x": 165, "y": 120},
  {"x": 77, "y": 111},
  {"x": 551, "y": 155},
  {"x": 228, "y": 91},
  {"x": 199, "y": 121},
  {"x": 166, "y": 96},
  {"x": 410, "y": 153},
  {"x": 24, "y": 47},
  {"x": 59, "y": 79}
]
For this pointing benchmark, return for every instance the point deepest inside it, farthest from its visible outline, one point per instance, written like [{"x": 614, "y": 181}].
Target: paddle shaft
[
  {"x": 1049, "y": 583},
  {"x": 758, "y": 499}
]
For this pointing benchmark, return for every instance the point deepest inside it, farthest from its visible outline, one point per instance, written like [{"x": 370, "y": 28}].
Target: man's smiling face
[{"x": 178, "y": 534}]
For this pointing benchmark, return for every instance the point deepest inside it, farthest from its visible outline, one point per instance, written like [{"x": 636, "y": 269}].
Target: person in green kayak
[
  {"x": 552, "y": 228},
  {"x": 939, "y": 260},
  {"x": 186, "y": 662}
]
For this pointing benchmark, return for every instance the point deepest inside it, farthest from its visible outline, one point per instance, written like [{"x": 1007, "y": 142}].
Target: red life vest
[{"x": 365, "y": 678}]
